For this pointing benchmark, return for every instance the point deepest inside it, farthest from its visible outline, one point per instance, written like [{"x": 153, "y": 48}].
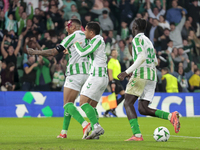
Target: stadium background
[{"x": 40, "y": 25}]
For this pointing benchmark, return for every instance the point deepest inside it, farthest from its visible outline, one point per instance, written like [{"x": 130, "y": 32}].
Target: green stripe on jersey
[
  {"x": 71, "y": 69},
  {"x": 142, "y": 72},
  {"x": 148, "y": 74},
  {"x": 142, "y": 42},
  {"x": 92, "y": 41},
  {"x": 80, "y": 48},
  {"x": 69, "y": 40},
  {"x": 94, "y": 72},
  {"x": 135, "y": 54},
  {"x": 105, "y": 71},
  {"x": 95, "y": 48},
  {"x": 153, "y": 78},
  {"x": 100, "y": 72},
  {"x": 77, "y": 68},
  {"x": 135, "y": 75},
  {"x": 83, "y": 66},
  {"x": 137, "y": 42},
  {"x": 139, "y": 49}
]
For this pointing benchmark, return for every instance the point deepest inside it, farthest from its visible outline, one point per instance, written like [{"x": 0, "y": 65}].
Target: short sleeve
[
  {"x": 25, "y": 65},
  {"x": 68, "y": 41},
  {"x": 110, "y": 64}
]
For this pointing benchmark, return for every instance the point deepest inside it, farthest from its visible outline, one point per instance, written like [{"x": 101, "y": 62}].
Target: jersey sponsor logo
[
  {"x": 89, "y": 84},
  {"x": 133, "y": 83}
]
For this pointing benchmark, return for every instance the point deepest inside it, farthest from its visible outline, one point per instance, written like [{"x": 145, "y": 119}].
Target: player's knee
[
  {"x": 141, "y": 110},
  {"x": 127, "y": 103}
]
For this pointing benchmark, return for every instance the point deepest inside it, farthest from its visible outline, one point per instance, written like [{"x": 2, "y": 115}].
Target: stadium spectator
[
  {"x": 28, "y": 30},
  {"x": 7, "y": 78},
  {"x": 174, "y": 14},
  {"x": 114, "y": 41},
  {"x": 169, "y": 82},
  {"x": 182, "y": 57},
  {"x": 87, "y": 18},
  {"x": 56, "y": 16},
  {"x": 73, "y": 12},
  {"x": 58, "y": 76},
  {"x": 163, "y": 23},
  {"x": 10, "y": 23},
  {"x": 183, "y": 77},
  {"x": 186, "y": 29},
  {"x": 124, "y": 30},
  {"x": 143, "y": 6},
  {"x": 105, "y": 21},
  {"x": 67, "y": 6},
  {"x": 38, "y": 25},
  {"x": 44, "y": 5},
  {"x": 193, "y": 37},
  {"x": 175, "y": 33},
  {"x": 29, "y": 75},
  {"x": 156, "y": 32},
  {"x": 128, "y": 10},
  {"x": 194, "y": 81},
  {"x": 43, "y": 77},
  {"x": 2, "y": 20},
  {"x": 193, "y": 12},
  {"x": 164, "y": 39},
  {"x": 156, "y": 13},
  {"x": 83, "y": 7},
  {"x": 21, "y": 19}
]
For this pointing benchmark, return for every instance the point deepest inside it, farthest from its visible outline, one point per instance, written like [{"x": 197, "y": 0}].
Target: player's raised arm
[
  {"x": 48, "y": 52},
  {"x": 93, "y": 46}
]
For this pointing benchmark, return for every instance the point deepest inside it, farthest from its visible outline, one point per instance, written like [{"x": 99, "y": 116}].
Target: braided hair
[{"x": 141, "y": 23}]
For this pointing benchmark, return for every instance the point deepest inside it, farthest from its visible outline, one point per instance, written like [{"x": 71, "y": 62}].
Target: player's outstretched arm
[
  {"x": 48, "y": 52},
  {"x": 93, "y": 46}
]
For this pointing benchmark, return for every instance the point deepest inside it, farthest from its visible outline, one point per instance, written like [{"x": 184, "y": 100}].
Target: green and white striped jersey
[
  {"x": 76, "y": 63},
  {"x": 96, "y": 52},
  {"x": 143, "y": 46}
]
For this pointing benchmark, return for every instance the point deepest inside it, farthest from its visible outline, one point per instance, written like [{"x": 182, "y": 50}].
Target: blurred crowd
[{"x": 173, "y": 26}]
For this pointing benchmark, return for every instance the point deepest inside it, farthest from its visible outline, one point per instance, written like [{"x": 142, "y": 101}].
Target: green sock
[
  {"x": 66, "y": 121},
  {"x": 90, "y": 113},
  {"x": 162, "y": 114},
  {"x": 97, "y": 118},
  {"x": 71, "y": 109},
  {"x": 134, "y": 126}
]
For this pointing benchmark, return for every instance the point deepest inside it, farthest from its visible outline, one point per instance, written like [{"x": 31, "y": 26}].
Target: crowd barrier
[{"x": 50, "y": 104}]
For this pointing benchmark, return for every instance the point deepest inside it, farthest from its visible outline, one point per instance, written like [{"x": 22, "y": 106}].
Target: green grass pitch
[{"x": 40, "y": 134}]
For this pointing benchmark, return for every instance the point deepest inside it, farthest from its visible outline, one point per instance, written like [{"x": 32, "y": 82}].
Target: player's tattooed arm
[{"x": 48, "y": 52}]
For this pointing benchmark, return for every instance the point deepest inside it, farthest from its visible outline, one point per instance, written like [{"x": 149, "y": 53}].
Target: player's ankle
[
  {"x": 96, "y": 125},
  {"x": 64, "y": 132},
  {"x": 169, "y": 116},
  {"x": 138, "y": 135},
  {"x": 84, "y": 124}
]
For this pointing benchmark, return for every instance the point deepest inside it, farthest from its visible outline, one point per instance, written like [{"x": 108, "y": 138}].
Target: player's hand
[
  {"x": 113, "y": 87},
  {"x": 122, "y": 75},
  {"x": 30, "y": 51}
]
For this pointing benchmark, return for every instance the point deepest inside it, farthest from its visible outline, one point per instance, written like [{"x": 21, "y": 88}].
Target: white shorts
[
  {"x": 94, "y": 87},
  {"x": 75, "y": 82},
  {"x": 142, "y": 88}
]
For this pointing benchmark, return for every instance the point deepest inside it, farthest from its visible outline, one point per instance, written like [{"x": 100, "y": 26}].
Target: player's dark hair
[
  {"x": 76, "y": 21},
  {"x": 142, "y": 23},
  {"x": 93, "y": 26}
]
